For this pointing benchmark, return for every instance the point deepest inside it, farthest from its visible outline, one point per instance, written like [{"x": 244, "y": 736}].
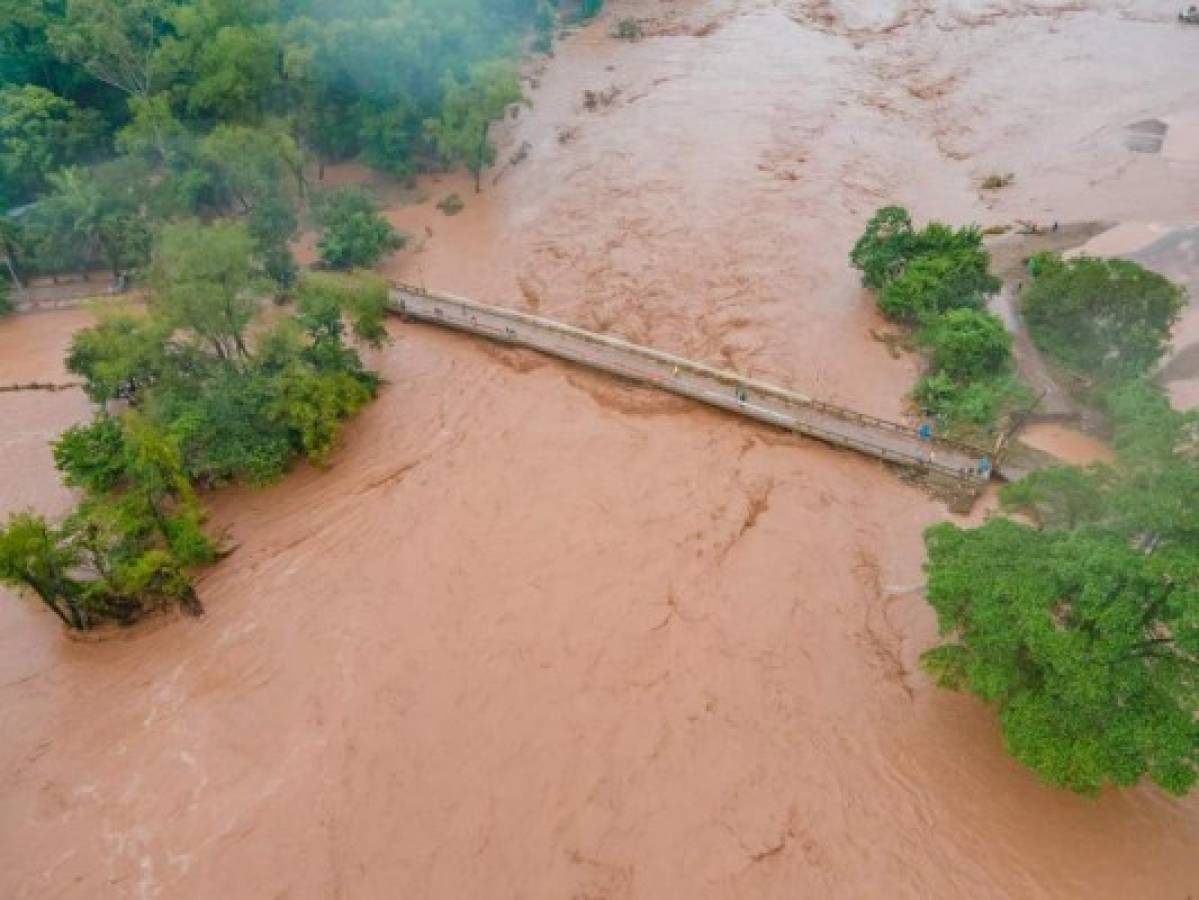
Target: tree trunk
[{"x": 12, "y": 272}]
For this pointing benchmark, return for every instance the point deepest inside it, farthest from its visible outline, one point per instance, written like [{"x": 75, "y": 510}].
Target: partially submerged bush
[
  {"x": 968, "y": 343},
  {"x": 995, "y": 181},
  {"x": 974, "y": 404},
  {"x": 628, "y": 29},
  {"x": 935, "y": 283},
  {"x": 353, "y": 233},
  {"x": 451, "y": 204}
]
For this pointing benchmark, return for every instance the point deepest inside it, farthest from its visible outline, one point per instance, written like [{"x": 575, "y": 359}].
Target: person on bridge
[
  {"x": 984, "y": 467},
  {"x": 925, "y": 431}
]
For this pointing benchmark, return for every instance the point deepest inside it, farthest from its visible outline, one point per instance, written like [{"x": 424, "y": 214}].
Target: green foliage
[
  {"x": 939, "y": 278},
  {"x": 1085, "y": 633},
  {"x": 921, "y": 274},
  {"x": 1062, "y": 497},
  {"x": 35, "y": 556},
  {"x": 326, "y": 298},
  {"x": 6, "y": 304},
  {"x": 1106, "y": 318},
  {"x": 451, "y": 204},
  {"x": 120, "y": 357},
  {"x": 976, "y": 403},
  {"x": 93, "y": 215},
  {"x": 207, "y": 405},
  {"x": 884, "y": 248},
  {"x": 113, "y": 40},
  {"x": 353, "y": 233},
  {"x": 204, "y": 278},
  {"x": 967, "y": 344},
  {"x": 1088, "y": 648},
  {"x": 272, "y": 224},
  {"x": 460, "y": 133},
  {"x": 40, "y": 133},
  {"x": 249, "y": 164},
  {"x": 935, "y": 283}
]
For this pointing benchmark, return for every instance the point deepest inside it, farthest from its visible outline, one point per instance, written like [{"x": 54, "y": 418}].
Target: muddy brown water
[{"x": 539, "y": 634}]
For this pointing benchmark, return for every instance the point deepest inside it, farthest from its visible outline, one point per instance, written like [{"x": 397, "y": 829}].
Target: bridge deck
[{"x": 890, "y": 441}]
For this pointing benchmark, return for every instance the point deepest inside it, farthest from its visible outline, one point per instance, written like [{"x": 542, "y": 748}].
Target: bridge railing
[{"x": 666, "y": 370}]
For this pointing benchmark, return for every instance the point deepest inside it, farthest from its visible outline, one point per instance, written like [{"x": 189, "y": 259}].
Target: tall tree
[
  {"x": 204, "y": 281},
  {"x": 39, "y": 133},
  {"x": 1107, "y": 318},
  {"x": 95, "y": 214},
  {"x": 461, "y": 132},
  {"x": 115, "y": 41}
]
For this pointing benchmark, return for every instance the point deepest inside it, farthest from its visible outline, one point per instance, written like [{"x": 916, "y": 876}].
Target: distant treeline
[{"x": 131, "y": 112}]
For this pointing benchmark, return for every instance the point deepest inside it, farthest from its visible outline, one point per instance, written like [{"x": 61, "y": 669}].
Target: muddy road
[{"x": 538, "y": 634}]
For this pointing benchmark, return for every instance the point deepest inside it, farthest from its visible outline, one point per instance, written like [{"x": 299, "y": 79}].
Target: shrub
[
  {"x": 968, "y": 343},
  {"x": 451, "y": 204},
  {"x": 353, "y": 233},
  {"x": 937, "y": 282},
  {"x": 884, "y": 247},
  {"x": 1106, "y": 318},
  {"x": 974, "y": 403}
]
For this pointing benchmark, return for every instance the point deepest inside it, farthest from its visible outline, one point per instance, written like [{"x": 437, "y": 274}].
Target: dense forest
[{"x": 118, "y": 115}]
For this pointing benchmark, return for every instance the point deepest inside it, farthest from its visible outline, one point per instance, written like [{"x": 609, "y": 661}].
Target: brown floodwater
[{"x": 535, "y": 633}]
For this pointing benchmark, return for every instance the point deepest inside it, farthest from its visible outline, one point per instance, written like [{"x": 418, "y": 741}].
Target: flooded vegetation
[{"x": 533, "y": 632}]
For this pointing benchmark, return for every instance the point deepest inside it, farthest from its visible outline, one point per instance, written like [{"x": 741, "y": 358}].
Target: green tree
[
  {"x": 204, "y": 281},
  {"x": 885, "y": 247},
  {"x": 326, "y": 298},
  {"x": 35, "y": 556},
  {"x": 120, "y": 357},
  {"x": 1062, "y": 497},
  {"x": 1088, "y": 648},
  {"x": 460, "y": 133},
  {"x": 935, "y": 283},
  {"x": 251, "y": 163},
  {"x": 968, "y": 343},
  {"x": 1106, "y": 318},
  {"x": 40, "y": 132},
  {"x": 353, "y": 234},
  {"x": 94, "y": 215},
  {"x": 152, "y": 132},
  {"x": 273, "y": 224},
  {"x": 115, "y": 41}
]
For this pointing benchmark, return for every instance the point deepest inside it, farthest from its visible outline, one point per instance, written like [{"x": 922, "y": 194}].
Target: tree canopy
[
  {"x": 353, "y": 233},
  {"x": 1083, "y": 629},
  {"x": 1105, "y": 318},
  {"x": 938, "y": 279}
]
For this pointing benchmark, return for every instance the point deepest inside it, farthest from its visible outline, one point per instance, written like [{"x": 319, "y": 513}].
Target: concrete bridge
[{"x": 947, "y": 464}]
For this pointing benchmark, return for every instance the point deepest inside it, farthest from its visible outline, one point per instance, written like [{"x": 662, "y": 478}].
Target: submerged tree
[
  {"x": 1084, "y": 631},
  {"x": 461, "y": 132},
  {"x": 353, "y": 233}
]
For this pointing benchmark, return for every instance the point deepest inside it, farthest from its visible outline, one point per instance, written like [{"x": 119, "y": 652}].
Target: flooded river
[{"x": 539, "y": 634}]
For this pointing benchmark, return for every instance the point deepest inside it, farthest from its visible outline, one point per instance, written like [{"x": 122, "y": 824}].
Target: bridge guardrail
[{"x": 473, "y": 316}]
